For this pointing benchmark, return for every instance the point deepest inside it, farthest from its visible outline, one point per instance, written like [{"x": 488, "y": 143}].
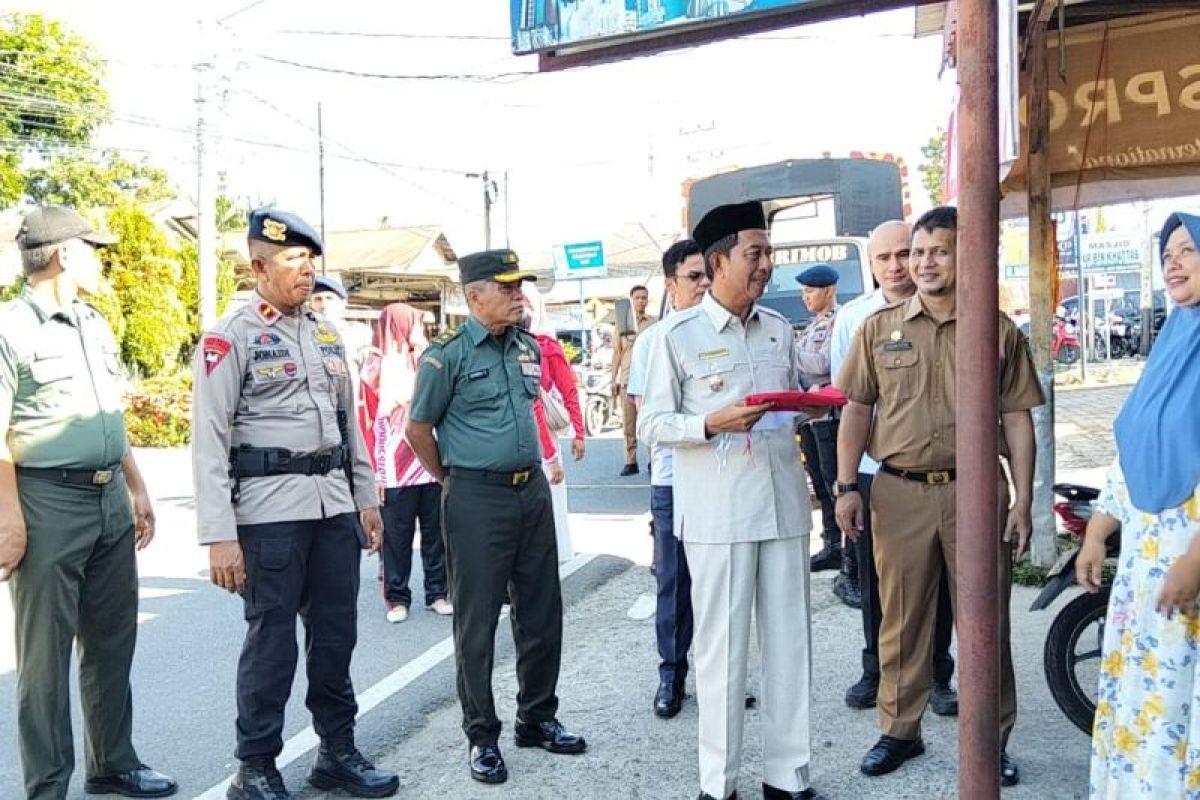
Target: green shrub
[{"x": 158, "y": 412}]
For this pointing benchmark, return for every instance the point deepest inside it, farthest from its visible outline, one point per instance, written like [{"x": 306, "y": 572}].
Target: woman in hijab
[
  {"x": 558, "y": 380},
  {"x": 407, "y": 491},
  {"x": 1146, "y": 739}
]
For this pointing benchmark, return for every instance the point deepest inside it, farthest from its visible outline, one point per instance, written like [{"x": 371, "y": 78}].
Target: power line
[
  {"x": 458, "y": 37},
  {"x": 498, "y": 77}
]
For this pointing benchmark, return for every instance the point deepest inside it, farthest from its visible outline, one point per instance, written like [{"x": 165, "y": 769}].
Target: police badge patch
[{"x": 215, "y": 348}]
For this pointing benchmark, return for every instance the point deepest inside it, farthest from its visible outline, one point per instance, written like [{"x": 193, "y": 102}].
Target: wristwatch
[{"x": 840, "y": 488}]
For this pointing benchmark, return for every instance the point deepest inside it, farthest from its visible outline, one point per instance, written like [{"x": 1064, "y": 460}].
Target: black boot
[
  {"x": 340, "y": 765},
  {"x": 257, "y": 779},
  {"x": 829, "y": 557},
  {"x": 847, "y": 590}
]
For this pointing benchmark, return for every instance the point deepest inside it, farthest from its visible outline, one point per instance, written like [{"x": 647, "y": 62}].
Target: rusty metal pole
[
  {"x": 1042, "y": 247},
  {"x": 976, "y": 356}
]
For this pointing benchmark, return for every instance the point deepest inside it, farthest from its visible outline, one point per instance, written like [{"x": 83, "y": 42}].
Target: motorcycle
[
  {"x": 1071, "y": 674},
  {"x": 600, "y": 412},
  {"x": 1064, "y": 342},
  {"x": 1121, "y": 341}
]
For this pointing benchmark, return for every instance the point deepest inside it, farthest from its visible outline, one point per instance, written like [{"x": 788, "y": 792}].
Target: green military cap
[{"x": 501, "y": 266}]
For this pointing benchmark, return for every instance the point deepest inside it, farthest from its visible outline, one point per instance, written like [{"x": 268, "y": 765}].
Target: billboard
[{"x": 549, "y": 25}]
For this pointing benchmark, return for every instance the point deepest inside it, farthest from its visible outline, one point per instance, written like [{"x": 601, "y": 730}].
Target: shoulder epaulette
[{"x": 443, "y": 339}]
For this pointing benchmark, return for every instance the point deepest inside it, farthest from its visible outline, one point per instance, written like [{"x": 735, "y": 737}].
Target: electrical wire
[{"x": 499, "y": 77}]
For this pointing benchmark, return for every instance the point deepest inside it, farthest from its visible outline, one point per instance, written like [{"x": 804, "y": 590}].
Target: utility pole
[
  {"x": 976, "y": 439},
  {"x": 506, "y": 226},
  {"x": 489, "y": 197},
  {"x": 1147, "y": 282},
  {"x": 321, "y": 175},
  {"x": 1042, "y": 249},
  {"x": 206, "y": 201}
]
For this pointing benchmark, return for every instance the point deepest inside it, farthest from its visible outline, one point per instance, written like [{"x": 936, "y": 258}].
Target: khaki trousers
[
  {"x": 629, "y": 426},
  {"x": 728, "y": 582},
  {"x": 915, "y": 539}
]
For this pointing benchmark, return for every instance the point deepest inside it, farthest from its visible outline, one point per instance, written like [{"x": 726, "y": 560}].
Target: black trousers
[
  {"x": 402, "y": 508},
  {"x": 309, "y": 568},
  {"x": 673, "y": 623},
  {"x": 818, "y": 442},
  {"x": 872, "y": 612},
  {"x": 500, "y": 545}
]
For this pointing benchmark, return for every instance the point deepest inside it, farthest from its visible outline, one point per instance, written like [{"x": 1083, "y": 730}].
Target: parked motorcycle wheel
[
  {"x": 1068, "y": 354},
  {"x": 595, "y": 415},
  {"x": 1079, "y": 621}
]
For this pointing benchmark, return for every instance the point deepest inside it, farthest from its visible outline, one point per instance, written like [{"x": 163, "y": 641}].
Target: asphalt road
[{"x": 190, "y": 634}]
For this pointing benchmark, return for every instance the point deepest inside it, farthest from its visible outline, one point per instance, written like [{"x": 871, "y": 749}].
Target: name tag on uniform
[
  {"x": 708, "y": 355},
  {"x": 894, "y": 347},
  {"x": 531, "y": 370},
  {"x": 478, "y": 374}
]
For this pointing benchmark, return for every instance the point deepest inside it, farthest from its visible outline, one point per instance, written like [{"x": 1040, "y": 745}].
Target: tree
[
  {"x": 189, "y": 290},
  {"x": 144, "y": 272},
  {"x": 106, "y": 180},
  {"x": 51, "y": 95},
  {"x": 230, "y": 217},
  {"x": 933, "y": 168}
]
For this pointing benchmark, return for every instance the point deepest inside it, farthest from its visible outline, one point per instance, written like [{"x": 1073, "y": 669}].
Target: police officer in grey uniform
[
  {"x": 68, "y": 529},
  {"x": 475, "y": 387},
  {"x": 282, "y": 482},
  {"x": 819, "y": 286}
]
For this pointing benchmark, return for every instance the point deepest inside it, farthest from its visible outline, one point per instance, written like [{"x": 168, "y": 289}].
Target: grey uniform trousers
[{"x": 76, "y": 585}]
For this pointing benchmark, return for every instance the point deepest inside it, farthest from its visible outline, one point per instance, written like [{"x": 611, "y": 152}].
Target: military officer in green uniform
[
  {"x": 475, "y": 387},
  {"x": 73, "y": 509}
]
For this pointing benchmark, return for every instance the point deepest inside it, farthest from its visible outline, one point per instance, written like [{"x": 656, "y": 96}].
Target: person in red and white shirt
[
  {"x": 407, "y": 491},
  {"x": 558, "y": 380}
]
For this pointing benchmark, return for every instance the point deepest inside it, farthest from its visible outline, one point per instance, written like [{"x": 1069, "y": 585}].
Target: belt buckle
[
  {"x": 520, "y": 478},
  {"x": 102, "y": 477},
  {"x": 937, "y": 477}
]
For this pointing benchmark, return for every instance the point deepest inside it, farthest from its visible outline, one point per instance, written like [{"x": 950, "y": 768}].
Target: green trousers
[{"x": 76, "y": 584}]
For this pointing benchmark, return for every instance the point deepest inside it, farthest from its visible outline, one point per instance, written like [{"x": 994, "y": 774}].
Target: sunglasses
[{"x": 695, "y": 277}]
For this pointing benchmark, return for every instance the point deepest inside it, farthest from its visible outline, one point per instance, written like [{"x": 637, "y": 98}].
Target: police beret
[
  {"x": 283, "y": 228},
  {"x": 497, "y": 265},
  {"x": 818, "y": 276},
  {"x": 328, "y": 283},
  {"x": 725, "y": 220}
]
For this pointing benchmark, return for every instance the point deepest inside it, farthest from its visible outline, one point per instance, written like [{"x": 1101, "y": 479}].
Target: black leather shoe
[
  {"x": 1009, "y": 774},
  {"x": 826, "y": 558},
  {"x": 340, "y": 765},
  {"x": 863, "y": 693},
  {"x": 487, "y": 765},
  {"x": 140, "y": 782},
  {"x": 668, "y": 700},
  {"x": 257, "y": 779},
  {"x": 771, "y": 793},
  {"x": 943, "y": 700},
  {"x": 707, "y": 796},
  {"x": 847, "y": 590},
  {"x": 549, "y": 735},
  {"x": 889, "y": 753},
  {"x": 629, "y": 469}
]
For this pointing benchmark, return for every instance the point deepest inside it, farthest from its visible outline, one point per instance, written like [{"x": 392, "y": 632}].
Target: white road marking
[
  {"x": 307, "y": 739},
  {"x": 643, "y": 607}
]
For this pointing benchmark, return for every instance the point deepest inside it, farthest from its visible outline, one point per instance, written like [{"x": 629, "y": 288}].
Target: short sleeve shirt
[
  {"x": 902, "y": 362},
  {"x": 61, "y": 386},
  {"x": 477, "y": 390}
]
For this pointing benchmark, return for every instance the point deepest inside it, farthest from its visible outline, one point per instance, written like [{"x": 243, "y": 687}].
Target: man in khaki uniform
[
  {"x": 901, "y": 368},
  {"x": 639, "y": 296},
  {"x": 73, "y": 508},
  {"x": 282, "y": 481}
]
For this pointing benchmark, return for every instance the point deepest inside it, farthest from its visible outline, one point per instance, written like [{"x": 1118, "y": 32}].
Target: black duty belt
[
  {"x": 516, "y": 478},
  {"x": 932, "y": 477},
  {"x": 262, "y": 462},
  {"x": 76, "y": 477}
]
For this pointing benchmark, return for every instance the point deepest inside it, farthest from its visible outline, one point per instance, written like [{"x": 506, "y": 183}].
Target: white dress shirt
[
  {"x": 849, "y": 319},
  {"x": 660, "y": 457},
  {"x": 734, "y": 487}
]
